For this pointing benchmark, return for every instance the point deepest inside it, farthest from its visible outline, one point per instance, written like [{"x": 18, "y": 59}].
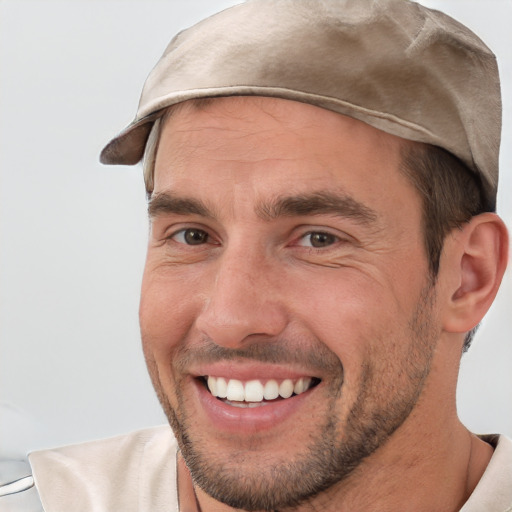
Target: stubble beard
[{"x": 334, "y": 451}]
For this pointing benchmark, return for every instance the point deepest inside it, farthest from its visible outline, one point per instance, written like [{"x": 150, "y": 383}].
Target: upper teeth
[{"x": 255, "y": 390}]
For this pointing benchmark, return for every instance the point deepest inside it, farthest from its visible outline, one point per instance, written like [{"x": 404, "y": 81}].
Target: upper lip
[{"x": 250, "y": 370}]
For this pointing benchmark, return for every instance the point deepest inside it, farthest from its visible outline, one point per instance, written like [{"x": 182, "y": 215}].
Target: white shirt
[{"x": 136, "y": 472}]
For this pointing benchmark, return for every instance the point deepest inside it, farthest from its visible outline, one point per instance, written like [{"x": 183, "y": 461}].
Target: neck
[{"x": 438, "y": 473}]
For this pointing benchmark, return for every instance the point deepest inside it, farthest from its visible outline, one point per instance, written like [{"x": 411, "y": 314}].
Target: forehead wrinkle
[
  {"x": 240, "y": 144},
  {"x": 316, "y": 203}
]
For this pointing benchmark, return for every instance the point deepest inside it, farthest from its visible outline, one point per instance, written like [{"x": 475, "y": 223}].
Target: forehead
[
  {"x": 269, "y": 145},
  {"x": 263, "y": 118}
]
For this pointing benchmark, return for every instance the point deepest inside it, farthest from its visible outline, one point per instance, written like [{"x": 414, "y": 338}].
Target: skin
[{"x": 359, "y": 312}]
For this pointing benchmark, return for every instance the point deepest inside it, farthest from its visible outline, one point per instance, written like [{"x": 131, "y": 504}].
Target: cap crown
[{"x": 394, "y": 64}]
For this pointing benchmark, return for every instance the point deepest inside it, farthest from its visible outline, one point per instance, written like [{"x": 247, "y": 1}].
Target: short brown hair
[{"x": 450, "y": 192}]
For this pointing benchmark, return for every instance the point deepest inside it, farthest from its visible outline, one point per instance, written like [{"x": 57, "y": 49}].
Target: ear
[{"x": 475, "y": 259}]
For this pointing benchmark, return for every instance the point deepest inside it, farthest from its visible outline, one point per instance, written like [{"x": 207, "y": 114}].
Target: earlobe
[{"x": 478, "y": 259}]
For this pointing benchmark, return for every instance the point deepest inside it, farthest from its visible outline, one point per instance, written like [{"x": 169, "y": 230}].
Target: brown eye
[
  {"x": 191, "y": 236},
  {"x": 319, "y": 239}
]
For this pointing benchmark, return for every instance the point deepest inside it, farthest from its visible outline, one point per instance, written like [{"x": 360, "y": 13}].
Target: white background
[{"x": 73, "y": 233}]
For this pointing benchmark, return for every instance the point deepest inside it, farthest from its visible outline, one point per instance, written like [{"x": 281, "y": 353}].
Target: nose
[{"x": 243, "y": 300}]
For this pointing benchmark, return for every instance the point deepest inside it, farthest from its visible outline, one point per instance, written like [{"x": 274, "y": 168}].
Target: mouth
[{"x": 256, "y": 393}]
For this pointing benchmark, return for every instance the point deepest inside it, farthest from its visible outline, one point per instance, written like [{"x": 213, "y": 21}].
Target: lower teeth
[{"x": 245, "y": 405}]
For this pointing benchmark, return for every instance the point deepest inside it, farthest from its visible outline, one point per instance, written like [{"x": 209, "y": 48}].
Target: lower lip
[{"x": 228, "y": 418}]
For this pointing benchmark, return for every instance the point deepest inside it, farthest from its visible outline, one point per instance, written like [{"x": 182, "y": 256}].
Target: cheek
[
  {"x": 358, "y": 318},
  {"x": 165, "y": 317}
]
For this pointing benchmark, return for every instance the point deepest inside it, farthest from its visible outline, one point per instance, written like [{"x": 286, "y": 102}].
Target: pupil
[
  {"x": 195, "y": 236},
  {"x": 321, "y": 239}
]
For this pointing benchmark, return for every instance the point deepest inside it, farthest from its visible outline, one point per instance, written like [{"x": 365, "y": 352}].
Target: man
[{"x": 321, "y": 180}]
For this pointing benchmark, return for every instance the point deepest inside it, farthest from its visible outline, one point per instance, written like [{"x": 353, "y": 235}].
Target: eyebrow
[
  {"x": 315, "y": 203},
  {"x": 165, "y": 203}
]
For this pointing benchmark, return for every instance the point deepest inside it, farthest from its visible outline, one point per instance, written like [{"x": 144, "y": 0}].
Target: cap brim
[{"x": 128, "y": 147}]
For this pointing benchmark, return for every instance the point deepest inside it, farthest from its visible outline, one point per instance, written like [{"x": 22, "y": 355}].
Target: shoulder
[
  {"x": 135, "y": 471},
  {"x": 17, "y": 491},
  {"x": 119, "y": 450},
  {"x": 494, "y": 491}
]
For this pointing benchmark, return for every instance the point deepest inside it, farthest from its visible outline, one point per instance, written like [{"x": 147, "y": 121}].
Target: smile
[
  {"x": 240, "y": 400},
  {"x": 255, "y": 393}
]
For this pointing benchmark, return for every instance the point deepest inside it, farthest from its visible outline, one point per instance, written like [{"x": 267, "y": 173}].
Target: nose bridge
[{"x": 243, "y": 298}]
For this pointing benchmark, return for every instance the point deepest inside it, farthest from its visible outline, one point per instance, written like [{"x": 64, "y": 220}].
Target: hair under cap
[{"x": 407, "y": 70}]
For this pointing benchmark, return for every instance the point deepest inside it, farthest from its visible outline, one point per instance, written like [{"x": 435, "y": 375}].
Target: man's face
[{"x": 285, "y": 252}]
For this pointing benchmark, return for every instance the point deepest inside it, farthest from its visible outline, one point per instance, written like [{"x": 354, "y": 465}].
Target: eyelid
[{"x": 175, "y": 227}]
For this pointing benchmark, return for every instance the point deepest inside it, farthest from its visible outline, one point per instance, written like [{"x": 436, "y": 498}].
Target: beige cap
[{"x": 394, "y": 64}]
